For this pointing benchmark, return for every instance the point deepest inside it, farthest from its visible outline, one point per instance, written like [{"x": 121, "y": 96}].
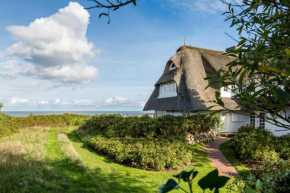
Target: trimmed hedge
[
  {"x": 258, "y": 144},
  {"x": 144, "y": 142}
]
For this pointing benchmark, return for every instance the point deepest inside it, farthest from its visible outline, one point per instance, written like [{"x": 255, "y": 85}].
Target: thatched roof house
[
  {"x": 191, "y": 64},
  {"x": 181, "y": 89}
]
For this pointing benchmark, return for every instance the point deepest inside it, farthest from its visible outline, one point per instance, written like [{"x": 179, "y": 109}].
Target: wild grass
[
  {"x": 56, "y": 160},
  {"x": 67, "y": 148}
]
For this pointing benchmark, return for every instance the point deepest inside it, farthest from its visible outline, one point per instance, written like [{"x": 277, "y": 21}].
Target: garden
[{"x": 76, "y": 153}]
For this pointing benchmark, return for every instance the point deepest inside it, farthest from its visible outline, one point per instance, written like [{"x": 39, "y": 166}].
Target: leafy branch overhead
[
  {"x": 110, "y": 5},
  {"x": 260, "y": 75}
]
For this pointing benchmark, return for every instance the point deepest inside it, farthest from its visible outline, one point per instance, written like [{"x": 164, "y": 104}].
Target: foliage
[
  {"x": 211, "y": 181},
  {"x": 261, "y": 70},
  {"x": 258, "y": 144},
  {"x": 1, "y": 106},
  {"x": 168, "y": 127},
  {"x": 52, "y": 120},
  {"x": 7, "y": 125},
  {"x": 270, "y": 156},
  {"x": 144, "y": 142}
]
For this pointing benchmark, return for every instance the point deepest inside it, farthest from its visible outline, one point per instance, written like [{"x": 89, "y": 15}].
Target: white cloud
[
  {"x": 115, "y": 100},
  {"x": 120, "y": 101},
  {"x": 18, "y": 101},
  {"x": 212, "y": 7},
  {"x": 43, "y": 102},
  {"x": 61, "y": 102},
  {"x": 10, "y": 69},
  {"x": 56, "y": 47},
  {"x": 84, "y": 102}
]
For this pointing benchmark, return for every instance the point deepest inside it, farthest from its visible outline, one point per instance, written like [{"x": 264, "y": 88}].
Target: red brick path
[{"x": 218, "y": 159}]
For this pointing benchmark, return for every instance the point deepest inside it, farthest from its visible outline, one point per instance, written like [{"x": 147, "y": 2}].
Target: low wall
[{"x": 202, "y": 137}]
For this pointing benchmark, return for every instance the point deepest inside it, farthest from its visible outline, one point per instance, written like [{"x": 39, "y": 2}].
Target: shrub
[
  {"x": 144, "y": 142},
  {"x": 7, "y": 125},
  {"x": 52, "y": 120},
  {"x": 258, "y": 144}
]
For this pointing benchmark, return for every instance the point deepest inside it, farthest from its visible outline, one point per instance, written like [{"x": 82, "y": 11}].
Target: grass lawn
[
  {"x": 55, "y": 160},
  {"x": 230, "y": 155}
]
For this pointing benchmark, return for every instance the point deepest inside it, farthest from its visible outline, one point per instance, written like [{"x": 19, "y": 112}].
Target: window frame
[
  {"x": 170, "y": 66},
  {"x": 168, "y": 89}
]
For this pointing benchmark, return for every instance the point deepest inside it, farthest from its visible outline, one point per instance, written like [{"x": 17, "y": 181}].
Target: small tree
[
  {"x": 1, "y": 106},
  {"x": 261, "y": 71}
]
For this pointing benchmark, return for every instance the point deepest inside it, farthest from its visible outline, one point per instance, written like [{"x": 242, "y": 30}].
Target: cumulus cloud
[
  {"x": 120, "y": 101},
  {"x": 18, "y": 101},
  {"x": 43, "y": 102},
  {"x": 61, "y": 102},
  {"x": 10, "y": 69},
  {"x": 115, "y": 100},
  {"x": 56, "y": 47}
]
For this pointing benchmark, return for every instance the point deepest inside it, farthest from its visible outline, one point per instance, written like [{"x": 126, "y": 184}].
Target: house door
[
  {"x": 262, "y": 120},
  {"x": 253, "y": 119}
]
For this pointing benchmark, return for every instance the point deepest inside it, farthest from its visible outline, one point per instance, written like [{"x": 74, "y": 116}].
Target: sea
[{"x": 122, "y": 113}]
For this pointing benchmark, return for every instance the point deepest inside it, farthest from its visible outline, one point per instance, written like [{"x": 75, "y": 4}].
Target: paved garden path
[{"x": 218, "y": 159}]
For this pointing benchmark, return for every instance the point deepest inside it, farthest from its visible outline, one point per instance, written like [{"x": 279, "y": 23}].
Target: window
[
  {"x": 262, "y": 120},
  {"x": 167, "y": 90},
  {"x": 226, "y": 89},
  {"x": 238, "y": 117},
  {"x": 253, "y": 119},
  {"x": 172, "y": 66}
]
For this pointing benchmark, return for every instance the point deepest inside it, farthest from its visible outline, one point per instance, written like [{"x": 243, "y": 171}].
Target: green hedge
[
  {"x": 257, "y": 144},
  {"x": 52, "y": 120},
  {"x": 144, "y": 142},
  {"x": 8, "y": 125}
]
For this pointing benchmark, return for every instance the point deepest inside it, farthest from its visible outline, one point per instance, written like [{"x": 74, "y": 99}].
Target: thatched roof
[{"x": 191, "y": 66}]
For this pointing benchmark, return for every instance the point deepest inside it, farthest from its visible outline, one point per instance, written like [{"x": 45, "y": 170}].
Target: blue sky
[{"x": 72, "y": 60}]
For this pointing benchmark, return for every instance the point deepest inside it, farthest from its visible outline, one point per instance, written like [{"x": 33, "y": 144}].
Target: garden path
[{"x": 218, "y": 160}]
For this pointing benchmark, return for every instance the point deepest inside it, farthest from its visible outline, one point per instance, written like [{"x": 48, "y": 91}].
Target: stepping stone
[{"x": 218, "y": 160}]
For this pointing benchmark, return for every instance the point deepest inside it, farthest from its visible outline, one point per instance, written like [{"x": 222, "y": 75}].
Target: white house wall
[
  {"x": 277, "y": 131},
  {"x": 231, "y": 125}
]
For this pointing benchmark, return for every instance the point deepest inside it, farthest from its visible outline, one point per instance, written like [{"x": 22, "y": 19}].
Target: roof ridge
[{"x": 200, "y": 49}]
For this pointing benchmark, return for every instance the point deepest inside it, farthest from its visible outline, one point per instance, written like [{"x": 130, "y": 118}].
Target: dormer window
[
  {"x": 167, "y": 90},
  {"x": 172, "y": 66}
]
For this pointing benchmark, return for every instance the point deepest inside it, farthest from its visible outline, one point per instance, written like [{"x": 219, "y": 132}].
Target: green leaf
[
  {"x": 135, "y": 2},
  {"x": 213, "y": 181},
  {"x": 259, "y": 185},
  {"x": 184, "y": 175},
  {"x": 170, "y": 185},
  {"x": 250, "y": 190},
  {"x": 241, "y": 79}
]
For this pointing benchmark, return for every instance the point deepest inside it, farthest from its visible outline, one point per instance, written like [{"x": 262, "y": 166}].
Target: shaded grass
[
  {"x": 113, "y": 177},
  {"x": 230, "y": 155},
  {"x": 56, "y": 160},
  {"x": 33, "y": 162}
]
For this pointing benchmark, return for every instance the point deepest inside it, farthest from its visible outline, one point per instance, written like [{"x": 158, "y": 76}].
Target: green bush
[
  {"x": 52, "y": 120},
  {"x": 8, "y": 125},
  {"x": 144, "y": 142},
  {"x": 258, "y": 144}
]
